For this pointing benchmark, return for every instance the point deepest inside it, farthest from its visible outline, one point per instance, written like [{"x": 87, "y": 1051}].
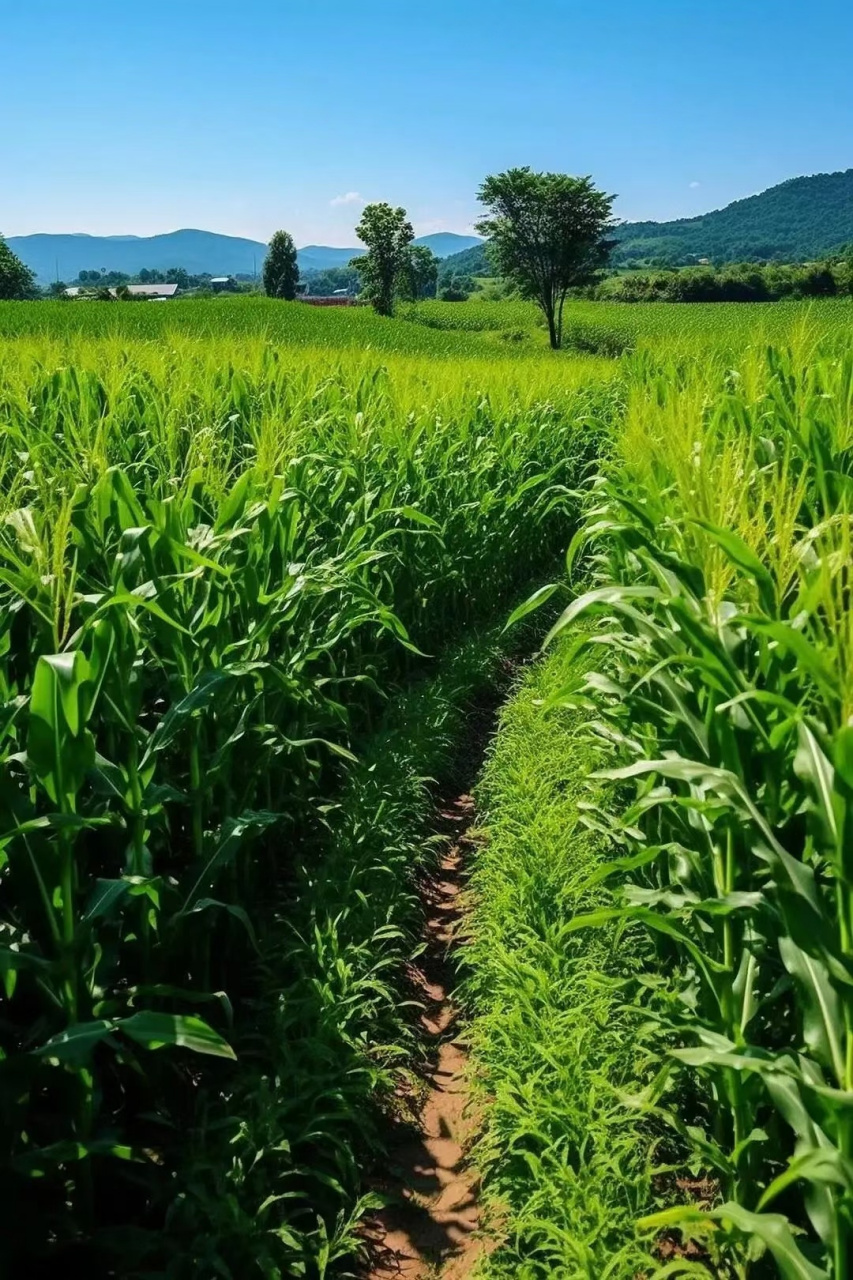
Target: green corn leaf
[
  {"x": 810, "y": 762},
  {"x": 682, "y": 1216},
  {"x": 155, "y": 1030},
  {"x": 801, "y": 649},
  {"x": 234, "y": 832},
  {"x": 233, "y": 909},
  {"x": 823, "y": 1020},
  {"x": 843, "y": 755},
  {"x": 12, "y": 961},
  {"x": 207, "y": 688},
  {"x": 76, "y": 1044},
  {"x": 105, "y": 896},
  {"x": 335, "y": 747},
  {"x": 36, "y": 1163},
  {"x": 59, "y": 748},
  {"x": 538, "y": 598},
  {"x": 775, "y": 1232},
  {"x": 600, "y": 597},
  {"x": 419, "y": 517},
  {"x": 824, "y": 1165}
]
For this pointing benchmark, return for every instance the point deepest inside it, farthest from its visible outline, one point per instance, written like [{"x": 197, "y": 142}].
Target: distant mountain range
[
  {"x": 198, "y": 252},
  {"x": 800, "y": 220},
  {"x": 797, "y": 221}
]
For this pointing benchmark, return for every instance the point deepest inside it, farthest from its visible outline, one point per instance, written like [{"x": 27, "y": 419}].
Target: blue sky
[{"x": 138, "y": 117}]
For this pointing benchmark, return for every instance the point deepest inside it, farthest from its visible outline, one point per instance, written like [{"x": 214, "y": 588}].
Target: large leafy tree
[
  {"x": 418, "y": 276},
  {"x": 16, "y": 280},
  {"x": 388, "y": 235},
  {"x": 281, "y": 271},
  {"x": 547, "y": 233}
]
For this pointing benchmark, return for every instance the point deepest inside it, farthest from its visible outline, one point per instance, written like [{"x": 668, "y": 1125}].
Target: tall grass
[
  {"x": 211, "y": 576},
  {"x": 719, "y": 544},
  {"x": 490, "y": 331},
  {"x": 566, "y": 1166},
  {"x": 229, "y": 532}
]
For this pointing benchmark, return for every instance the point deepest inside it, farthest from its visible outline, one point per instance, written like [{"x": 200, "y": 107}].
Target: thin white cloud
[
  {"x": 694, "y": 185},
  {"x": 351, "y": 197}
]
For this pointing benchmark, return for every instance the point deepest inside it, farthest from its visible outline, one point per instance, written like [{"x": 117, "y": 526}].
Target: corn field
[
  {"x": 212, "y": 577},
  {"x": 715, "y": 564},
  {"x": 247, "y": 551}
]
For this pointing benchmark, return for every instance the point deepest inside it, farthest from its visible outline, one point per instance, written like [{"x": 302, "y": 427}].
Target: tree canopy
[
  {"x": 329, "y": 280},
  {"x": 281, "y": 271},
  {"x": 547, "y": 233},
  {"x": 735, "y": 282},
  {"x": 418, "y": 276},
  {"x": 387, "y": 234},
  {"x": 16, "y": 280}
]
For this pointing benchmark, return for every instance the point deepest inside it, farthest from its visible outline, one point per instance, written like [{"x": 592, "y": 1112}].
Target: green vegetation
[
  {"x": 418, "y": 276},
  {"x": 741, "y": 282},
  {"x": 546, "y": 236},
  {"x": 388, "y": 235},
  {"x": 718, "y": 607},
  {"x": 238, "y": 329},
  {"x": 469, "y": 263},
  {"x": 249, "y": 551},
  {"x": 280, "y": 271},
  {"x": 218, "y": 559},
  {"x": 567, "y": 1167},
  {"x": 324, "y": 283},
  {"x": 798, "y": 221},
  {"x": 16, "y": 281}
]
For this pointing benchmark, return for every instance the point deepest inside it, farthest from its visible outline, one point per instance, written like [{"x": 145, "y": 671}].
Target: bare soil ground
[{"x": 429, "y": 1227}]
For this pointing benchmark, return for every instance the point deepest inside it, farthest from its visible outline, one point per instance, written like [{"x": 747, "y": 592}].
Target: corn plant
[
  {"x": 212, "y": 575},
  {"x": 720, "y": 557}
]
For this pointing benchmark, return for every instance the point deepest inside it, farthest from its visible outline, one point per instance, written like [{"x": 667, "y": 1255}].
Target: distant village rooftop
[
  {"x": 135, "y": 290},
  {"x": 151, "y": 290}
]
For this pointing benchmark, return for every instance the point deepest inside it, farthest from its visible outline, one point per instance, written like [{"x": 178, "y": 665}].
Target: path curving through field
[{"x": 429, "y": 1228}]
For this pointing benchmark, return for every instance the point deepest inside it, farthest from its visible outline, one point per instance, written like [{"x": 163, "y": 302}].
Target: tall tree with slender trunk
[
  {"x": 281, "y": 270},
  {"x": 547, "y": 233},
  {"x": 387, "y": 233}
]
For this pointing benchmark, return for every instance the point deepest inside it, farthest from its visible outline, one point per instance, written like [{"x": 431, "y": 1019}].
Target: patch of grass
[{"x": 565, "y": 1163}]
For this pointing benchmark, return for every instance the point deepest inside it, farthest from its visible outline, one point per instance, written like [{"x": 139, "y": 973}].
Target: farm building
[
  {"x": 158, "y": 292},
  {"x": 151, "y": 290}
]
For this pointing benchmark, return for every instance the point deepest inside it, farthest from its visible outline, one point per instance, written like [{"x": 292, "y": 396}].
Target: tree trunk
[
  {"x": 553, "y": 331},
  {"x": 562, "y": 303}
]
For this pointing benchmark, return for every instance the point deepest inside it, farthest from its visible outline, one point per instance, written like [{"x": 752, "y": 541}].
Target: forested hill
[
  {"x": 470, "y": 262},
  {"x": 797, "y": 221}
]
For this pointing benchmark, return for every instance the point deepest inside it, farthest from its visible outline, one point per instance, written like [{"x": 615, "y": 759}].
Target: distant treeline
[
  {"x": 453, "y": 285},
  {"x": 330, "y": 280},
  {"x": 739, "y": 282},
  {"x": 149, "y": 275}
]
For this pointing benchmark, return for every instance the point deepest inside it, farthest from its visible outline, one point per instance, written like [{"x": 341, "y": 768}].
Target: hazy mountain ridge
[
  {"x": 799, "y": 220},
  {"x": 199, "y": 252}
]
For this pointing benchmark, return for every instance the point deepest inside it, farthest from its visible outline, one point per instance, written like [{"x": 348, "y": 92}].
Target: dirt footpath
[{"x": 429, "y": 1228}]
